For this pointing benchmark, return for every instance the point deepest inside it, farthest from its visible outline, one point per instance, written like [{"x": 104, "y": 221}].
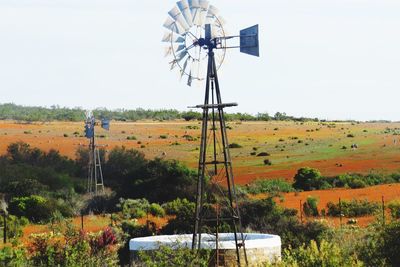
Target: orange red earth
[{"x": 290, "y": 145}]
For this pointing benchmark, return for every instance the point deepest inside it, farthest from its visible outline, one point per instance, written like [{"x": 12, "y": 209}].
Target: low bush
[
  {"x": 156, "y": 210},
  {"x": 234, "y": 145},
  {"x": 37, "y": 208},
  {"x": 267, "y": 162},
  {"x": 324, "y": 254},
  {"x": 268, "y": 186},
  {"x": 353, "y": 208},
  {"x": 394, "y": 207},
  {"x": 263, "y": 154},
  {"x": 310, "y": 207}
]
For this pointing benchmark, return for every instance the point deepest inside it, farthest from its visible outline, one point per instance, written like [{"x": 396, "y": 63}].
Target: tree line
[{"x": 10, "y": 111}]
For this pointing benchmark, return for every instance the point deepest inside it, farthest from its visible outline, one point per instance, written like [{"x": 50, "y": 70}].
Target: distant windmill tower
[
  {"x": 197, "y": 43},
  {"x": 95, "y": 181}
]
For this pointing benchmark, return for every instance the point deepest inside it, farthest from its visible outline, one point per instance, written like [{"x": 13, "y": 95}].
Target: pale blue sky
[{"x": 337, "y": 59}]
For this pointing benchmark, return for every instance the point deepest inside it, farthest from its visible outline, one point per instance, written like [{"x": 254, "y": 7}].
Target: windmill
[
  {"x": 95, "y": 182},
  {"x": 197, "y": 46}
]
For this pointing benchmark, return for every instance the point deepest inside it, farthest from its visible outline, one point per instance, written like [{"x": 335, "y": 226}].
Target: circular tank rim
[{"x": 226, "y": 241}]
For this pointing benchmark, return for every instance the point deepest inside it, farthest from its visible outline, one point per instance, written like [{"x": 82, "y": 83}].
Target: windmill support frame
[
  {"x": 213, "y": 114},
  {"x": 95, "y": 181}
]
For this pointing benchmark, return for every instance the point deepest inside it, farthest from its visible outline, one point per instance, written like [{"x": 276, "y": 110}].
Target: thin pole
[
  {"x": 217, "y": 237},
  {"x": 383, "y": 211},
  {"x": 5, "y": 228},
  {"x": 301, "y": 213},
  {"x": 340, "y": 212},
  {"x": 82, "y": 220}
]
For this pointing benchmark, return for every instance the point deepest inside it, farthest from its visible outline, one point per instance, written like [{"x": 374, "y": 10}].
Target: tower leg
[{"x": 233, "y": 216}]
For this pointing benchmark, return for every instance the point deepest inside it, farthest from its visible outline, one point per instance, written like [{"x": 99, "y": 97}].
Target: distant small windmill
[
  {"x": 197, "y": 42},
  {"x": 95, "y": 181}
]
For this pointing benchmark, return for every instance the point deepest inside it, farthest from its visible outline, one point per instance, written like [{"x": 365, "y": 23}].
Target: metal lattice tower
[
  {"x": 95, "y": 181},
  {"x": 215, "y": 162},
  {"x": 196, "y": 33}
]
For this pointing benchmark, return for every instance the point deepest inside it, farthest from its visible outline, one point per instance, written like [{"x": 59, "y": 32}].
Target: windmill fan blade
[
  {"x": 195, "y": 10},
  {"x": 167, "y": 37},
  {"x": 194, "y": 68},
  {"x": 180, "y": 48},
  {"x": 172, "y": 37},
  {"x": 189, "y": 81},
  {"x": 173, "y": 64},
  {"x": 184, "y": 7},
  {"x": 173, "y": 26},
  {"x": 180, "y": 39},
  {"x": 181, "y": 55},
  {"x": 168, "y": 51},
  {"x": 212, "y": 10},
  {"x": 176, "y": 14},
  {"x": 203, "y": 11}
]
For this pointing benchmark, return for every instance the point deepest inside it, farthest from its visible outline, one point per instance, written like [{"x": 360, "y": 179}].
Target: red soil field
[
  {"x": 389, "y": 192},
  {"x": 291, "y": 145}
]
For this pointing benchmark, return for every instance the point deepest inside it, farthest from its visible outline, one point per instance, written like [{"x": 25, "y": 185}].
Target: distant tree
[
  {"x": 191, "y": 115},
  {"x": 307, "y": 179}
]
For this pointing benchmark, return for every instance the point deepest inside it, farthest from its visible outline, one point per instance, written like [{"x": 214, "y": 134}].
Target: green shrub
[
  {"x": 314, "y": 255},
  {"x": 394, "y": 207},
  {"x": 234, "y": 145},
  {"x": 163, "y": 136},
  {"x": 268, "y": 186},
  {"x": 267, "y": 162},
  {"x": 307, "y": 179},
  {"x": 14, "y": 226},
  {"x": 310, "y": 207},
  {"x": 263, "y": 154},
  {"x": 132, "y": 137},
  {"x": 353, "y": 208},
  {"x": 156, "y": 210},
  {"x": 175, "y": 255},
  {"x": 134, "y": 208},
  {"x": 13, "y": 256},
  {"x": 173, "y": 207}
]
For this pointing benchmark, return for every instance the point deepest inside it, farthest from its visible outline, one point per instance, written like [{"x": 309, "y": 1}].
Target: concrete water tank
[{"x": 260, "y": 248}]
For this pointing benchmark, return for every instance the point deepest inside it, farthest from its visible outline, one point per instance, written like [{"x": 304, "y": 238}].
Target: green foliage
[
  {"x": 156, "y": 210},
  {"x": 37, "y": 208},
  {"x": 191, "y": 115},
  {"x": 133, "y": 208},
  {"x": 14, "y": 226},
  {"x": 176, "y": 255},
  {"x": 78, "y": 249},
  {"x": 173, "y": 207},
  {"x": 13, "y": 256},
  {"x": 394, "y": 207},
  {"x": 353, "y": 208},
  {"x": 132, "y": 137},
  {"x": 183, "y": 221},
  {"x": 311, "y": 179},
  {"x": 55, "y": 113},
  {"x": 325, "y": 254},
  {"x": 307, "y": 179},
  {"x": 310, "y": 207},
  {"x": 267, "y": 162},
  {"x": 265, "y": 216},
  {"x": 381, "y": 246},
  {"x": 234, "y": 145},
  {"x": 30, "y": 171},
  {"x": 272, "y": 186}
]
